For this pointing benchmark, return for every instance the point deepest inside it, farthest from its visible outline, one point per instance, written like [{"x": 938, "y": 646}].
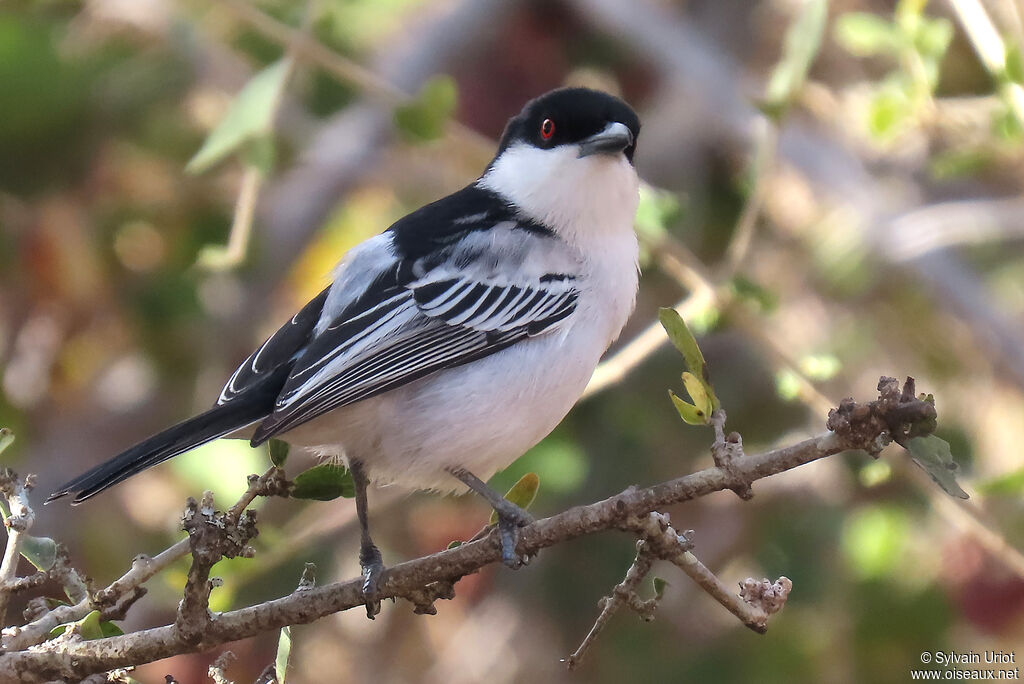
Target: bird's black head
[{"x": 595, "y": 121}]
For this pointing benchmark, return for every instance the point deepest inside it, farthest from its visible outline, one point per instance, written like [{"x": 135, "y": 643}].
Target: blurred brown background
[{"x": 889, "y": 242}]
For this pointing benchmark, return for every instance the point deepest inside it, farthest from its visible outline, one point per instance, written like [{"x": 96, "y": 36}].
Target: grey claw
[
  {"x": 509, "y": 522},
  {"x": 372, "y": 567}
]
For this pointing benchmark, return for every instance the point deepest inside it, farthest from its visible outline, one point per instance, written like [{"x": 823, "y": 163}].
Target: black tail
[{"x": 217, "y": 422}]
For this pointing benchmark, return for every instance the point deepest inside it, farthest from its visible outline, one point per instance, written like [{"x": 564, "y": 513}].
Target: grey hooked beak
[{"x": 613, "y": 139}]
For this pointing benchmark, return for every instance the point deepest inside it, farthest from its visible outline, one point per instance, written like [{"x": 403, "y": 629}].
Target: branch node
[
  {"x": 727, "y": 452},
  {"x": 423, "y": 599},
  {"x": 212, "y": 535},
  {"x": 308, "y": 579},
  {"x": 897, "y": 415},
  {"x": 764, "y": 595}
]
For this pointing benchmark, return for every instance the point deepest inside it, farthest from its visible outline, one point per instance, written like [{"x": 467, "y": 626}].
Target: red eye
[{"x": 547, "y": 129}]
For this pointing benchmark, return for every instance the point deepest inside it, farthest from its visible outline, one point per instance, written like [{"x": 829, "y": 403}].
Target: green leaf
[
  {"x": 909, "y": 14},
  {"x": 424, "y": 119},
  {"x": 251, "y": 115},
  {"x": 6, "y": 439},
  {"x": 284, "y": 650},
  {"x": 454, "y": 544},
  {"x": 324, "y": 482},
  {"x": 659, "y": 587},
  {"x": 521, "y": 494},
  {"x": 278, "y": 452},
  {"x": 934, "y": 456},
  {"x": 109, "y": 629},
  {"x": 1007, "y": 484},
  {"x": 39, "y": 551},
  {"x": 684, "y": 341},
  {"x": 867, "y": 35},
  {"x": 933, "y": 37},
  {"x": 89, "y": 627},
  {"x": 889, "y": 110},
  {"x": 688, "y": 412},
  {"x": 803, "y": 39},
  {"x": 695, "y": 388}
]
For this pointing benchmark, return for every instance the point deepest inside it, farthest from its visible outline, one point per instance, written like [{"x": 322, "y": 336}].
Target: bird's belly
[{"x": 480, "y": 416}]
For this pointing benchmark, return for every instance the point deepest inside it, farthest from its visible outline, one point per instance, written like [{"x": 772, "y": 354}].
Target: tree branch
[{"x": 852, "y": 426}]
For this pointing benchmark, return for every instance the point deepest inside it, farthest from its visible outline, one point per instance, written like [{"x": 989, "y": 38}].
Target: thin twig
[
  {"x": 18, "y": 521},
  {"x": 623, "y": 593}
]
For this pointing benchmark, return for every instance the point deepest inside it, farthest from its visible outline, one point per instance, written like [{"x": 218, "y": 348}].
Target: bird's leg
[
  {"x": 369, "y": 555},
  {"x": 510, "y": 516}
]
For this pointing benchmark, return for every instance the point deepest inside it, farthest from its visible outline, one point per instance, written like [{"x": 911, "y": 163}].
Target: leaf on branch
[
  {"x": 109, "y": 629},
  {"x": 803, "y": 39},
  {"x": 324, "y": 482},
  {"x": 284, "y": 651},
  {"x": 522, "y": 493},
  {"x": 250, "y": 117},
  {"x": 695, "y": 388},
  {"x": 39, "y": 551},
  {"x": 690, "y": 414},
  {"x": 278, "y": 452},
  {"x": 685, "y": 342},
  {"x": 934, "y": 456},
  {"x": 425, "y": 118},
  {"x": 89, "y": 628}
]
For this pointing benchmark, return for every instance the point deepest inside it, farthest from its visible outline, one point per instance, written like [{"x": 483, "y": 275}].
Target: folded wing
[{"x": 476, "y": 298}]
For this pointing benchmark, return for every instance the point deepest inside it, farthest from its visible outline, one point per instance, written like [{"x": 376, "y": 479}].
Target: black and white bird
[{"x": 454, "y": 341}]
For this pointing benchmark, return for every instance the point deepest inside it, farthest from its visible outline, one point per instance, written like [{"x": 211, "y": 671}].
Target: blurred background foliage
[{"x": 889, "y": 240}]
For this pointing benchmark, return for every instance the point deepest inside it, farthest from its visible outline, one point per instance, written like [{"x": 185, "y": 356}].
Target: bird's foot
[
  {"x": 373, "y": 567},
  {"x": 510, "y": 519}
]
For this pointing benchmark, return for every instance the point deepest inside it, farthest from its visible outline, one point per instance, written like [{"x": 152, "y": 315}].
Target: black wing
[{"x": 278, "y": 350}]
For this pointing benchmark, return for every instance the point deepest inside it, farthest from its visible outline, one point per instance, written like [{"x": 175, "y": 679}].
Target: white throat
[{"x": 580, "y": 198}]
